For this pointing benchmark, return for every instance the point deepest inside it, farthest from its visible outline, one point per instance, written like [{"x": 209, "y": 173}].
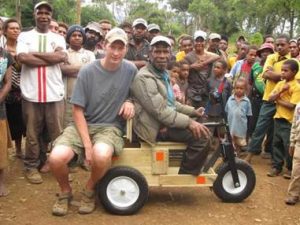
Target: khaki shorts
[{"x": 98, "y": 134}]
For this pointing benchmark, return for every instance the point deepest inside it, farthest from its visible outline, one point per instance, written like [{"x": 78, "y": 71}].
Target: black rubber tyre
[
  {"x": 223, "y": 186},
  {"x": 123, "y": 190}
]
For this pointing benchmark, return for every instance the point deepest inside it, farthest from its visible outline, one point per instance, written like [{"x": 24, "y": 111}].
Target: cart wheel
[
  {"x": 123, "y": 190},
  {"x": 224, "y": 187}
]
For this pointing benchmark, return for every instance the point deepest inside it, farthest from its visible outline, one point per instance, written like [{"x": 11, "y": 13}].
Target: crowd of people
[{"x": 70, "y": 89}]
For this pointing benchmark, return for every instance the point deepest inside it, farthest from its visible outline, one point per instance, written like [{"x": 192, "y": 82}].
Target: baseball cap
[
  {"x": 139, "y": 21},
  {"x": 160, "y": 38},
  {"x": 116, "y": 34},
  {"x": 265, "y": 46},
  {"x": 214, "y": 36},
  {"x": 93, "y": 26},
  {"x": 200, "y": 33},
  {"x": 43, "y": 3},
  {"x": 153, "y": 26}
]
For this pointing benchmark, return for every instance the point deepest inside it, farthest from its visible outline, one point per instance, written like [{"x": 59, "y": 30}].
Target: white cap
[
  {"x": 160, "y": 38},
  {"x": 214, "y": 36},
  {"x": 200, "y": 33},
  {"x": 139, "y": 21},
  {"x": 153, "y": 26},
  {"x": 43, "y": 3},
  {"x": 116, "y": 34}
]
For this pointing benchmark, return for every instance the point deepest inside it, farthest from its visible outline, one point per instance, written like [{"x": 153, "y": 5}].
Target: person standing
[
  {"x": 11, "y": 30},
  {"x": 138, "y": 47},
  {"x": 5, "y": 141},
  {"x": 272, "y": 74},
  {"x": 41, "y": 51}
]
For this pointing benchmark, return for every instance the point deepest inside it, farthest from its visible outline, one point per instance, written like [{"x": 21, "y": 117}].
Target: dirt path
[{"x": 30, "y": 204}]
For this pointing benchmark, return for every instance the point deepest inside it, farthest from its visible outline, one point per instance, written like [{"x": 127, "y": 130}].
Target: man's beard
[{"x": 90, "y": 44}]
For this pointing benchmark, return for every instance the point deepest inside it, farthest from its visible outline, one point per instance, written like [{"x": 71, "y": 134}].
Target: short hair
[
  {"x": 104, "y": 21},
  {"x": 8, "y": 21},
  {"x": 223, "y": 63},
  {"x": 62, "y": 24},
  {"x": 284, "y": 36},
  {"x": 125, "y": 24},
  {"x": 267, "y": 36},
  {"x": 253, "y": 47},
  {"x": 293, "y": 64},
  {"x": 241, "y": 80},
  {"x": 183, "y": 62},
  {"x": 187, "y": 37},
  {"x": 171, "y": 37},
  {"x": 224, "y": 37}
]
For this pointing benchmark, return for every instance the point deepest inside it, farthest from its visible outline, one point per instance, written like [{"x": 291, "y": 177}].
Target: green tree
[{"x": 95, "y": 13}]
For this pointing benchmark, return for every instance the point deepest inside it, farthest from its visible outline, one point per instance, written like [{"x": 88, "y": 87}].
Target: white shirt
[{"x": 41, "y": 83}]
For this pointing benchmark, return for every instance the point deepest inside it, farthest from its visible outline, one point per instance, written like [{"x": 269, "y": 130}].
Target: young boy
[
  {"x": 294, "y": 151},
  {"x": 238, "y": 109},
  {"x": 219, "y": 89},
  {"x": 286, "y": 94},
  {"x": 242, "y": 68},
  {"x": 174, "y": 76},
  {"x": 5, "y": 141},
  {"x": 182, "y": 80}
]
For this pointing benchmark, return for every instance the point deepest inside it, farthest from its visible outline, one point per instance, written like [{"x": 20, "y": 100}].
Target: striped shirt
[{"x": 42, "y": 83}]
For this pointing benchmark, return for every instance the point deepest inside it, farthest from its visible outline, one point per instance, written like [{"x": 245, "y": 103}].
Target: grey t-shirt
[{"x": 101, "y": 93}]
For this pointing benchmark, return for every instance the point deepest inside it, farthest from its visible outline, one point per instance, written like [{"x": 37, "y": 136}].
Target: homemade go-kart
[{"x": 124, "y": 189}]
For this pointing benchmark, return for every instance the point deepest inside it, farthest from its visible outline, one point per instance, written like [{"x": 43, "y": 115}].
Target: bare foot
[{"x": 3, "y": 191}]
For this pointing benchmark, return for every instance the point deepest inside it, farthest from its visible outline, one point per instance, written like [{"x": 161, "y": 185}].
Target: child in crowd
[
  {"x": 242, "y": 68},
  {"x": 238, "y": 109},
  {"x": 219, "y": 89},
  {"x": 175, "y": 71},
  {"x": 182, "y": 79},
  {"x": 286, "y": 94},
  {"x": 294, "y": 151},
  {"x": 5, "y": 141}
]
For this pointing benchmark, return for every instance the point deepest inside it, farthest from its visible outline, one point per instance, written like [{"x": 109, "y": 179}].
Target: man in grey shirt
[{"x": 100, "y": 107}]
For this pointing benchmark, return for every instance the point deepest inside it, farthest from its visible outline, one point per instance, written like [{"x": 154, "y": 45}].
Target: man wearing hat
[
  {"x": 100, "y": 107},
  {"x": 153, "y": 30},
  {"x": 160, "y": 115},
  {"x": 41, "y": 52},
  {"x": 93, "y": 37},
  {"x": 138, "y": 48},
  {"x": 213, "y": 45},
  {"x": 77, "y": 57}
]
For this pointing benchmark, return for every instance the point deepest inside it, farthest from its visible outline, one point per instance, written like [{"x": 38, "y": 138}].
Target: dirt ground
[{"x": 30, "y": 204}]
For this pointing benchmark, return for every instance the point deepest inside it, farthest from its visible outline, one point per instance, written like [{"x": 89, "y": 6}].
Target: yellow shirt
[
  {"x": 292, "y": 95},
  {"x": 180, "y": 56},
  {"x": 273, "y": 61},
  {"x": 231, "y": 61}
]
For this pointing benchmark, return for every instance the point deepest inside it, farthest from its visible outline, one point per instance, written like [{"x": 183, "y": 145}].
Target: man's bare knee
[
  {"x": 61, "y": 155},
  {"x": 102, "y": 152}
]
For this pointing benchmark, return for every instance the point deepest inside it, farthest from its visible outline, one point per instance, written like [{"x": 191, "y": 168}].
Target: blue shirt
[{"x": 237, "y": 113}]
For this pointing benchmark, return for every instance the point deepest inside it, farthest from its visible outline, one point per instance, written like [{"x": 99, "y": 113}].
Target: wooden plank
[
  {"x": 160, "y": 160},
  {"x": 205, "y": 180}
]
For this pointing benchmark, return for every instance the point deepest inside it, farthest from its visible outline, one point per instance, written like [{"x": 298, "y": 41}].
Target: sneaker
[
  {"x": 33, "y": 176},
  {"x": 291, "y": 200},
  {"x": 88, "y": 202},
  {"x": 60, "y": 208},
  {"x": 287, "y": 175},
  {"x": 274, "y": 172}
]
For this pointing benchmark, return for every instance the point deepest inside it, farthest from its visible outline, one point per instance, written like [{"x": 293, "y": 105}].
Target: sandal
[
  {"x": 60, "y": 208},
  {"x": 87, "y": 203}
]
